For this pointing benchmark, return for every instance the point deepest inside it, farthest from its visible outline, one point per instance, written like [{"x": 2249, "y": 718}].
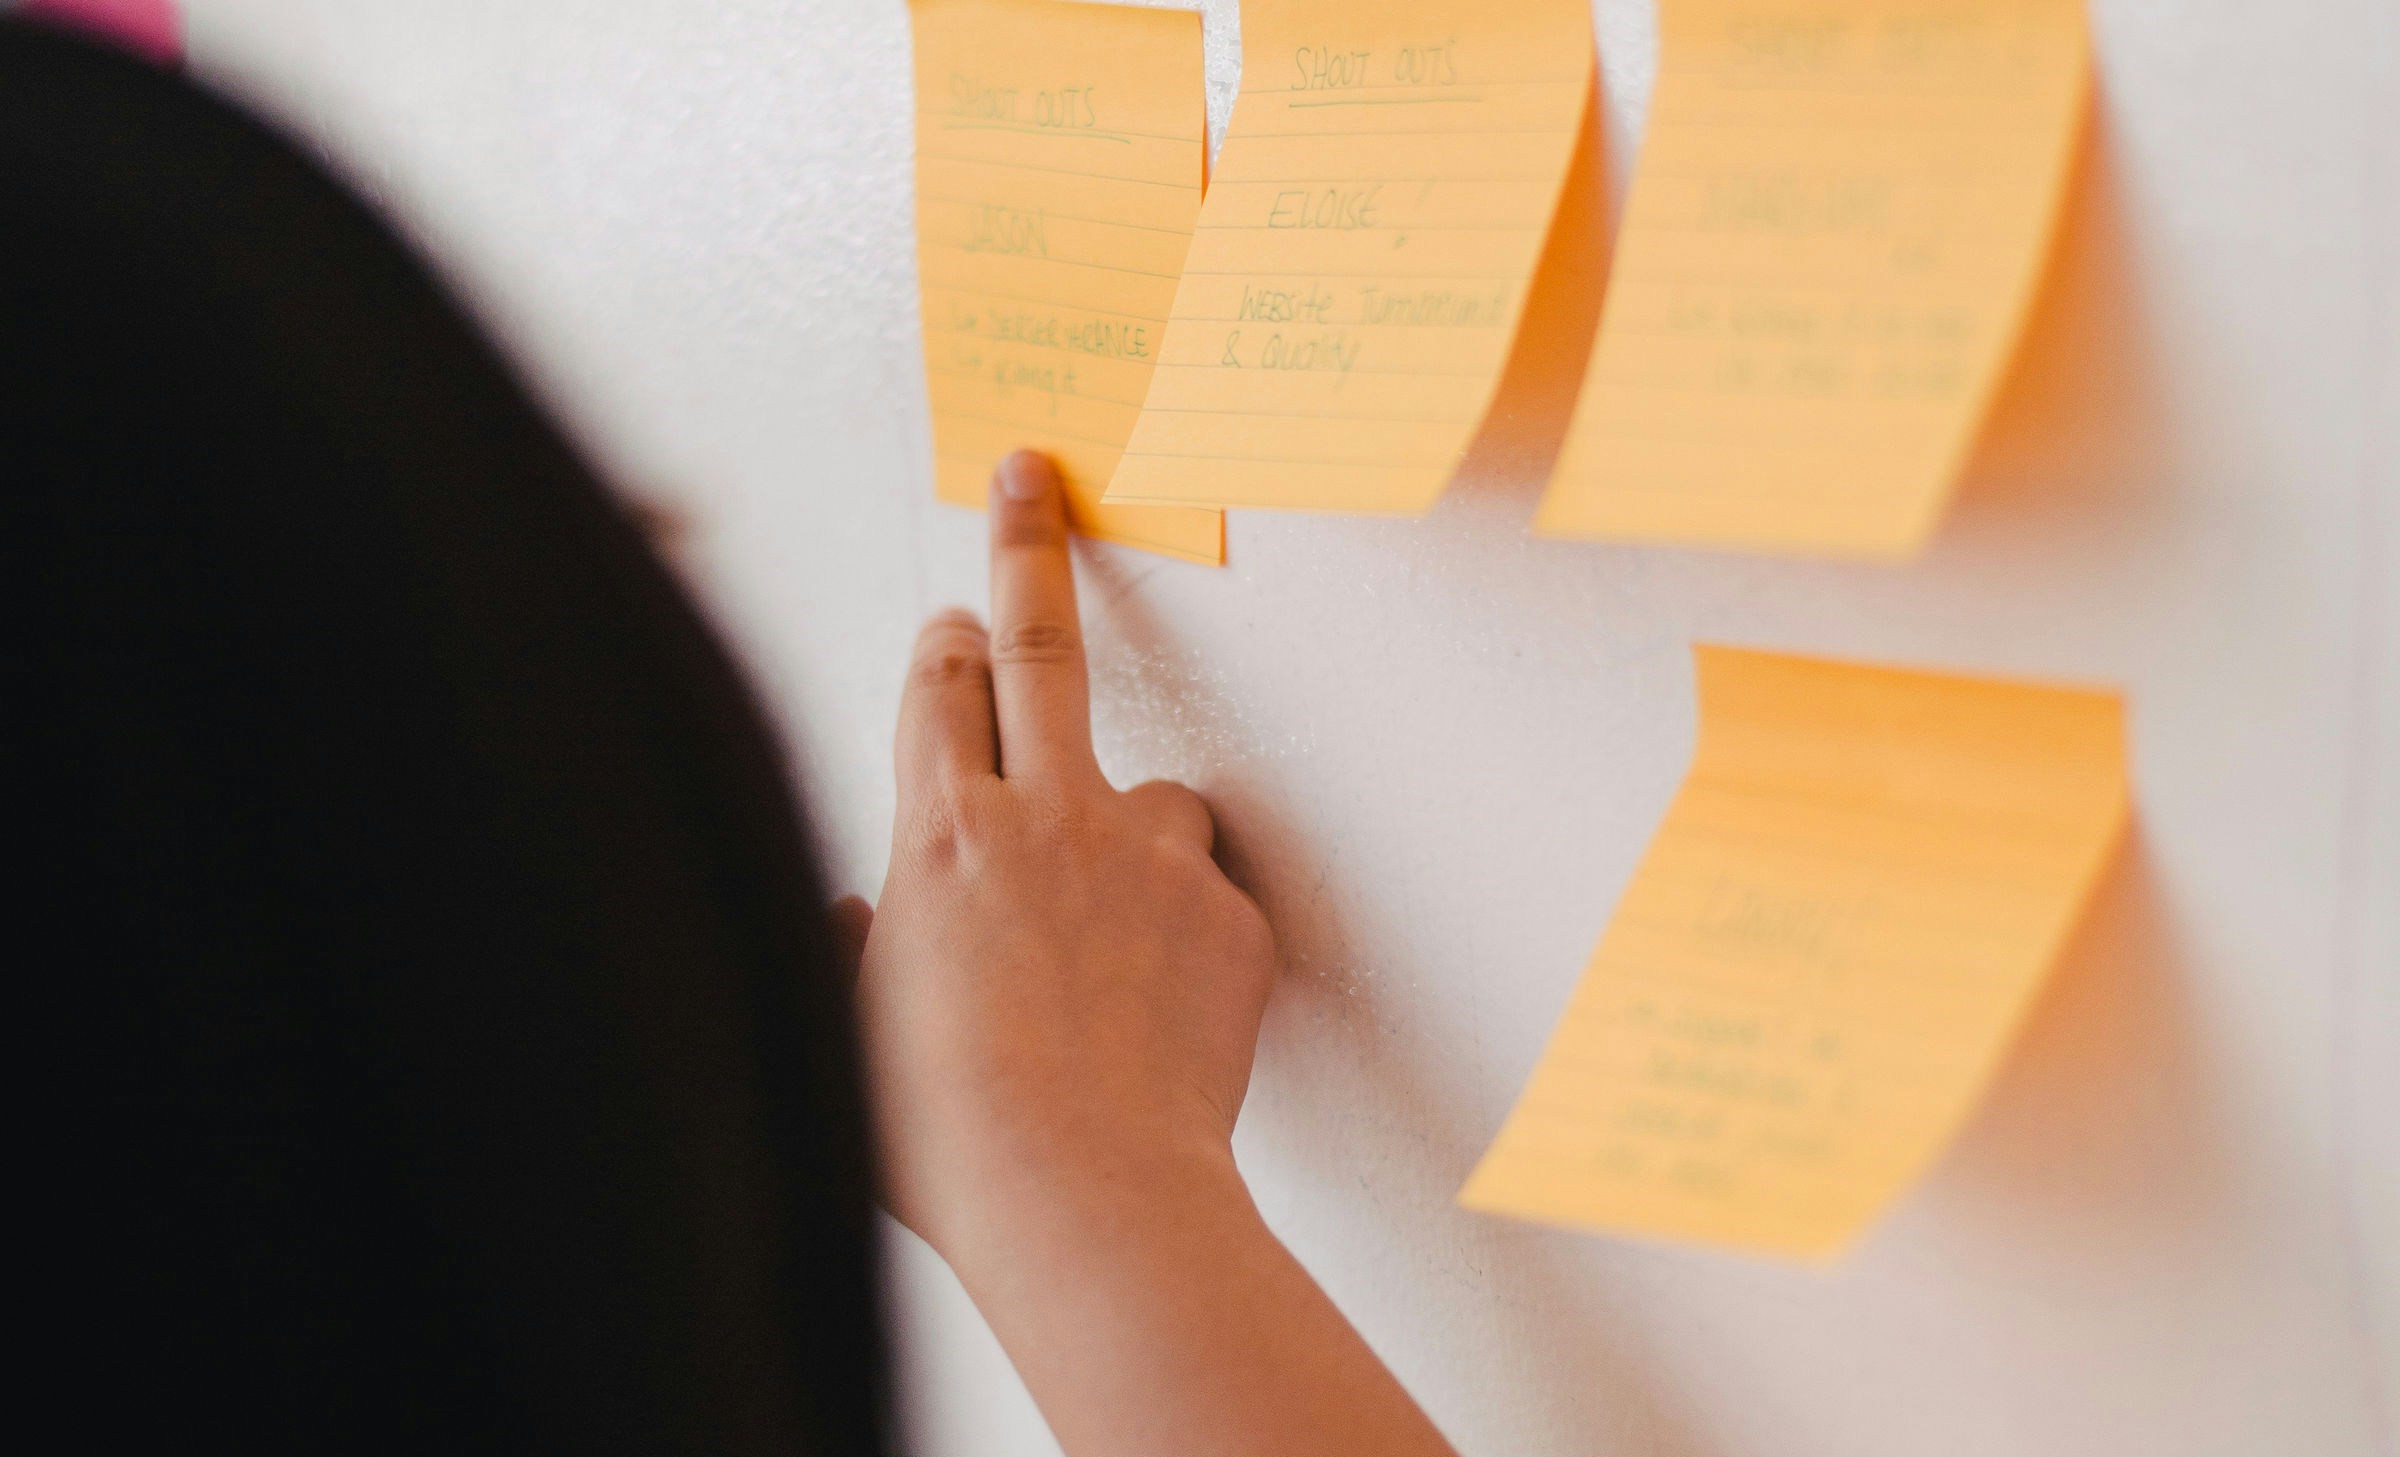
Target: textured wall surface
[{"x": 1439, "y": 747}]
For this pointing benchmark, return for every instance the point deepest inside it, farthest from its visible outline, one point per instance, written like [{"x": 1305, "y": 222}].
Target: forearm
[
  {"x": 1151, "y": 1311},
  {"x": 1061, "y": 994}
]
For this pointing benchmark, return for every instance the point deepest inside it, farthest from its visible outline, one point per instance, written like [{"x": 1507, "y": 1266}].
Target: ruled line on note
[
  {"x": 1288, "y": 375},
  {"x": 1004, "y": 179},
  {"x": 1038, "y": 131},
  {"x": 1068, "y": 217},
  {"x": 1016, "y": 423},
  {"x": 1089, "y": 356},
  {"x": 1347, "y": 275},
  {"x": 1382, "y": 101},
  {"x": 1429, "y": 131},
  {"x": 1317, "y": 193},
  {"x": 1005, "y": 389},
  {"x": 1265, "y": 458},
  {"x": 1413, "y": 418},
  {"x": 1035, "y": 129},
  {"x": 1500, "y": 84},
  {"x": 1002, "y": 256},
  {"x": 954, "y": 159},
  {"x": 1332, "y": 177},
  {"x": 1511, "y": 227},
  {"x": 1073, "y": 305}
]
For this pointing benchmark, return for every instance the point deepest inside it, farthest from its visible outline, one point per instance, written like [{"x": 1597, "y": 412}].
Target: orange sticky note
[
  {"x": 1836, "y": 227},
  {"x": 1378, "y": 207},
  {"x": 1854, "y": 897},
  {"x": 1060, "y": 149}
]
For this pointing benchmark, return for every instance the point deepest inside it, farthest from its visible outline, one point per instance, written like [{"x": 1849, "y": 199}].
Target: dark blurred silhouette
[{"x": 437, "y": 1037}]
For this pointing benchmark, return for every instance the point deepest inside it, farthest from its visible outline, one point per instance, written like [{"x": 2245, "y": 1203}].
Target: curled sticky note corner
[
  {"x": 1852, "y": 903},
  {"x": 1834, "y": 236}
]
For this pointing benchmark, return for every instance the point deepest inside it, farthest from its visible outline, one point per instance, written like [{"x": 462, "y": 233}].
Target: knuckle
[
  {"x": 1253, "y": 934},
  {"x": 932, "y": 842},
  {"x": 949, "y": 666},
  {"x": 1037, "y": 642},
  {"x": 1176, "y": 807},
  {"x": 1057, "y": 815},
  {"x": 1186, "y": 800},
  {"x": 1186, "y": 866},
  {"x": 949, "y": 826},
  {"x": 1033, "y": 525}
]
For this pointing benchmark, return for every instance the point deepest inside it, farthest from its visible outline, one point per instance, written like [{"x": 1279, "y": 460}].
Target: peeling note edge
[
  {"x": 1474, "y": 1195},
  {"x": 1480, "y": 417},
  {"x": 1089, "y": 530},
  {"x": 1898, "y": 549},
  {"x": 1916, "y": 534},
  {"x": 2025, "y": 294},
  {"x": 1820, "y": 1257},
  {"x": 1824, "y": 1255},
  {"x": 1213, "y": 557}
]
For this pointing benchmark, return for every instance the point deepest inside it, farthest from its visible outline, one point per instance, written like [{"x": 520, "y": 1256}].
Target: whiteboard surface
[{"x": 1439, "y": 747}]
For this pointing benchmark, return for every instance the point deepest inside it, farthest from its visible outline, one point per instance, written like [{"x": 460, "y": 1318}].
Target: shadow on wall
[
  {"x": 1535, "y": 398},
  {"x": 1537, "y": 1309},
  {"x": 2097, "y": 1139},
  {"x": 2099, "y": 1136},
  {"x": 2076, "y": 436},
  {"x": 2076, "y": 439},
  {"x": 2098, "y": 1127},
  {"x": 1546, "y": 1308}
]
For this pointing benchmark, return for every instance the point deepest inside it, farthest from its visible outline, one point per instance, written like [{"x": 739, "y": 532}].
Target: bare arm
[{"x": 1061, "y": 994}]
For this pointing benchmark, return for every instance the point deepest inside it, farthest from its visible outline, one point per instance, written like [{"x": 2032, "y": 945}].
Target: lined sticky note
[
  {"x": 1363, "y": 257},
  {"x": 1840, "y": 214},
  {"x": 1060, "y": 150},
  {"x": 1850, "y": 905}
]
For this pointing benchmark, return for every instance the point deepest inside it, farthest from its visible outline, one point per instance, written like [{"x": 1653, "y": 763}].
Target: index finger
[{"x": 1040, "y": 688}]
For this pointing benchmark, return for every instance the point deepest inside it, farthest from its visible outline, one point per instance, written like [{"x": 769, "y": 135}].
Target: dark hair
[{"x": 442, "y": 1042}]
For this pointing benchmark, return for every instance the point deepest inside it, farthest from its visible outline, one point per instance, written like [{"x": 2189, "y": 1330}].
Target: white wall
[{"x": 1439, "y": 747}]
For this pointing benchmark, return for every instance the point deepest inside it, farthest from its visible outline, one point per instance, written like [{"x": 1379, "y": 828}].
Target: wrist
[{"x": 1040, "y": 1217}]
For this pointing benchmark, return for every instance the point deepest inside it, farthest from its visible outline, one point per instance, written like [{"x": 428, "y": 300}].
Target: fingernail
[{"x": 1024, "y": 476}]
